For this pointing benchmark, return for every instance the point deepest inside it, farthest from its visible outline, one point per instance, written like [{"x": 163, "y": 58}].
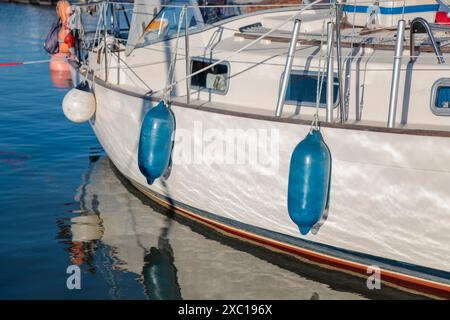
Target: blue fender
[
  {"x": 309, "y": 181},
  {"x": 155, "y": 142}
]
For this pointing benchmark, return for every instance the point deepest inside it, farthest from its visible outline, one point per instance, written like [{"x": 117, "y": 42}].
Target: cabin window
[
  {"x": 214, "y": 11},
  {"x": 164, "y": 25},
  {"x": 440, "y": 97},
  {"x": 302, "y": 89},
  {"x": 443, "y": 97},
  {"x": 215, "y": 79}
]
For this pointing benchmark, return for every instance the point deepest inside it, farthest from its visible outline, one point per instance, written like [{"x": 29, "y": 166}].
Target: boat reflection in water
[{"x": 117, "y": 231}]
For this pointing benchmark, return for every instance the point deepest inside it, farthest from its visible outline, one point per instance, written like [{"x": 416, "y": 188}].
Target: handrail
[
  {"x": 420, "y": 25},
  {"x": 187, "y": 56},
  {"x": 330, "y": 71},
  {"x": 339, "y": 63},
  {"x": 105, "y": 35},
  {"x": 287, "y": 68},
  {"x": 396, "y": 73}
]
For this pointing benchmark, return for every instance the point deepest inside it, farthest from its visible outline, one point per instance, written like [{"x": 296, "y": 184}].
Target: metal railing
[
  {"x": 330, "y": 71},
  {"x": 396, "y": 73},
  {"x": 287, "y": 68},
  {"x": 420, "y": 25},
  {"x": 187, "y": 55}
]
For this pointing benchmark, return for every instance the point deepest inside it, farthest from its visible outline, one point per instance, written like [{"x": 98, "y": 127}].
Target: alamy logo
[
  {"x": 74, "y": 280},
  {"x": 374, "y": 280},
  {"x": 258, "y": 148}
]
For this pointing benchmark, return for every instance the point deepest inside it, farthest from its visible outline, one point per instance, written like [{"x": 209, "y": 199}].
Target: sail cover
[{"x": 143, "y": 13}]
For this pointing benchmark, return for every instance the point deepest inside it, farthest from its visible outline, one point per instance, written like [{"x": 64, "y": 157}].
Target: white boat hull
[{"x": 388, "y": 197}]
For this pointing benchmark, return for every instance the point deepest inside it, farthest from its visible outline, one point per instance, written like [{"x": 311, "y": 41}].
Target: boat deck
[{"x": 382, "y": 38}]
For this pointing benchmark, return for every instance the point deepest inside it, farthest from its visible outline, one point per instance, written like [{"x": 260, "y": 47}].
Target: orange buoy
[
  {"x": 60, "y": 71},
  {"x": 63, "y": 10},
  {"x": 59, "y": 63}
]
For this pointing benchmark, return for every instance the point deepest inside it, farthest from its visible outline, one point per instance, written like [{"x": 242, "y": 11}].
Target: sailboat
[{"x": 319, "y": 130}]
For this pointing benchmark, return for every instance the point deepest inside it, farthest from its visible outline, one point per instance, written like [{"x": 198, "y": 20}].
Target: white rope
[{"x": 320, "y": 77}]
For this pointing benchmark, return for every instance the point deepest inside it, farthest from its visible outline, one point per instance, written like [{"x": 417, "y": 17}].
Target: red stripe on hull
[{"x": 402, "y": 281}]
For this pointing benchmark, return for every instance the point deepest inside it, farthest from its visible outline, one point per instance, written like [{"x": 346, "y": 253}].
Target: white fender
[{"x": 79, "y": 103}]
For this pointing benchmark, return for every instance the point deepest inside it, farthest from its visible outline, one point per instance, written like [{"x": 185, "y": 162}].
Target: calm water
[{"x": 63, "y": 204}]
